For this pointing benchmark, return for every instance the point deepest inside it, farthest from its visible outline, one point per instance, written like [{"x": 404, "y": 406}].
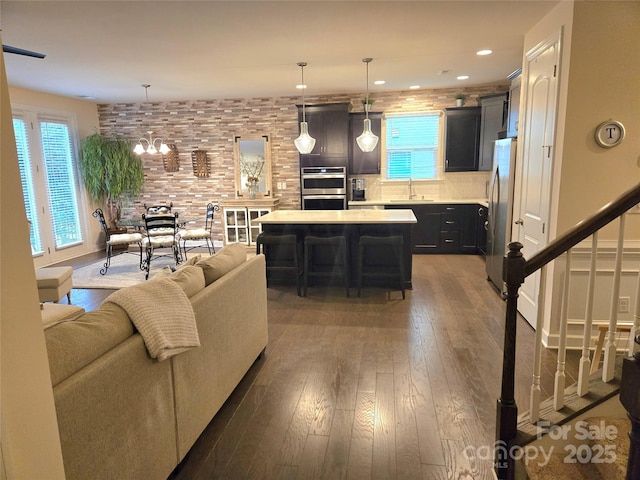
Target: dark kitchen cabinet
[
  {"x": 469, "y": 229},
  {"x": 493, "y": 122},
  {"x": 329, "y": 125},
  {"x": 462, "y": 139},
  {"x": 514, "y": 103},
  {"x": 364, "y": 162},
  {"x": 444, "y": 228}
]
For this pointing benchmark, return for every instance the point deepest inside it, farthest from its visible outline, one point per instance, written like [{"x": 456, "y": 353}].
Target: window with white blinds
[
  {"x": 57, "y": 153},
  {"x": 412, "y": 146},
  {"x": 46, "y": 158},
  {"x": 24, "y": 164}
]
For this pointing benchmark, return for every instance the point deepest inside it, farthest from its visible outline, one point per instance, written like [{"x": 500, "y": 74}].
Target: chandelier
[
  {"x": 305, "y": 142},
  {"x": 368, "y": 140},
  {"x": 151, "y": 142},
  {"x": 150, "y": 145}
]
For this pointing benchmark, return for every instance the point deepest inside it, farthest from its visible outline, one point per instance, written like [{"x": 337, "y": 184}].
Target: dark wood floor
[{"x": 371, "y": 387}]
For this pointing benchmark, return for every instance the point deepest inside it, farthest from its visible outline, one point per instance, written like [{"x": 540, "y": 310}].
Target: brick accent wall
[{"x": 211, "y": 125}]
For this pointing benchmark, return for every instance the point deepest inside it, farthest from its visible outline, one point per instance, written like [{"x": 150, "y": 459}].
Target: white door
[{"x": 538, "y": 130}]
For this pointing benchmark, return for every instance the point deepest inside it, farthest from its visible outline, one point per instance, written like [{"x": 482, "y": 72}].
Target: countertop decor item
[
  {"x": 368, "y": 140},
  {"x": 111, "y": 172},
  {"x": 305, "y": 142}
]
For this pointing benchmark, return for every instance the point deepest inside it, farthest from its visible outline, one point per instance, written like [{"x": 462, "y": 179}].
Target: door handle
[{"x": 519, "y": 222}]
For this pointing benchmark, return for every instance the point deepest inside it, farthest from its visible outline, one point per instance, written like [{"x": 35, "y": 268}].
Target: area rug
[{"x": 123, "y": 272}]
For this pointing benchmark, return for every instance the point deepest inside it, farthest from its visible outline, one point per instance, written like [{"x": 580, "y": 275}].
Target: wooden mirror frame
[{"x": 247, "y": 156}]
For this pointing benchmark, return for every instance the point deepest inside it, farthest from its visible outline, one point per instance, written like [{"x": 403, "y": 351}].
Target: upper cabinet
[
  {"x": 364, "y": 162},
  {"x": 329, "y": 125},
  {"x": 514, "y": 103},
  {"x": 494, "y": 121},
  {"x": 462, "y": 139}
]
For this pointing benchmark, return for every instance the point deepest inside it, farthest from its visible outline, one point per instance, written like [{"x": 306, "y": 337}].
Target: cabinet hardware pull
[
  {"x": 451, "y": 208},
  {"x": 449, "y": 222},
  {"x": 448, "y": 241}
]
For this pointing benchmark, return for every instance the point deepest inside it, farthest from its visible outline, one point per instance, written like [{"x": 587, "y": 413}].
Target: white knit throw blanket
[{"x": 163, "y": 315}]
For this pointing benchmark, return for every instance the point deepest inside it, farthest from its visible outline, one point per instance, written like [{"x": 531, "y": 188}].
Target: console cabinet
[
  {"x": 241, "y": 219},
  {"x": 444, "y": 228},
  {"x": 462, "y": 139}
]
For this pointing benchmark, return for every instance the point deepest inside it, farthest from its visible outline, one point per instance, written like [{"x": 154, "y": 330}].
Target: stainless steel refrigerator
[{"x": 500, "y": 212}]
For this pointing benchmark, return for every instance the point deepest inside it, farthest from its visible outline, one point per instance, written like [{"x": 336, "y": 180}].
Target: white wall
[{"x": 30, "y": 441}]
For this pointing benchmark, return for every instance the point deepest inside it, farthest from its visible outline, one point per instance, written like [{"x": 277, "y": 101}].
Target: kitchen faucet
[{"x": 411, "y": 193}]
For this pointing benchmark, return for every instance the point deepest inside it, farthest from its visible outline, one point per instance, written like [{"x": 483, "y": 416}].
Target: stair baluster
[
  {"x": 585, "y": 362},
  {"x": 608, "y": 367},
  {"x": 559, "y": 384}
]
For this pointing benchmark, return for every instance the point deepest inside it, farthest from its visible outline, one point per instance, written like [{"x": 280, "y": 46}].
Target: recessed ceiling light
[
  {"x": 484, "y": 52},
  {"x": 414, "y": 87},
  {"x": 379, "y": 82},
  {"x": 462, "y": 77},
  {"x": 300, "y": 86}
]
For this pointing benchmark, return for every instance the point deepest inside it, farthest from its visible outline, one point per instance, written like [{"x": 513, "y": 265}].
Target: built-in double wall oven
[{"x": 323, "y": 188}]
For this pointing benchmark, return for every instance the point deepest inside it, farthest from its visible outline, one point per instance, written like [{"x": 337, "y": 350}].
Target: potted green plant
[
  {"x": 111, "y": 172},
  {"x": 366, "y": 104},
  {"x": 460, "y": 99}
]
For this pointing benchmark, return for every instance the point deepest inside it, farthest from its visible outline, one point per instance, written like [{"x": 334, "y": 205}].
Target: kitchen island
[{"x": 351, "y": 223}]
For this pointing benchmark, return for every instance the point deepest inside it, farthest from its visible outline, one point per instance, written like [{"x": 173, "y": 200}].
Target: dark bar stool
[
  {"x": 381, "y": 248},
  {"x": 337, "y": 263},
  {"x": 282, "y": 253}
]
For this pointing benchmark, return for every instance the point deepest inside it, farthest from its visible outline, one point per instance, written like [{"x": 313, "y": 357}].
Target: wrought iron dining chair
[
  {"x": 116, "y": 240},
  {"x": 203, "y": 235},
  {"x": 161, "y": 233}
]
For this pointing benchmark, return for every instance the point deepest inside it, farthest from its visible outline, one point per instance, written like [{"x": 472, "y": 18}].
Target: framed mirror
[{"x": 252, "y": 166}]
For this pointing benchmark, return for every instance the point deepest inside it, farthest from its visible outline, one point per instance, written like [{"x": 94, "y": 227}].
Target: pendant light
[
  {"x": 305, "y": 142},
  {"x": 368, "y": 140},
  {"x": 151, "y": 142}
]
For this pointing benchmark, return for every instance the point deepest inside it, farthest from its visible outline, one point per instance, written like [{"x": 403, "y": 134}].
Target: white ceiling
[{"x": 106, "y": 50}]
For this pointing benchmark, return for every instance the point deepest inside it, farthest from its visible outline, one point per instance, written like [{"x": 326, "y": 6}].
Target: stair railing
[{"x": 516, "y": 268}]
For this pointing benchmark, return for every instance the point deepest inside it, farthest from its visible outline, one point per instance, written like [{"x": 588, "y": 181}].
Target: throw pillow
[
  {"x": 190, "y": 278},
  {"x": 223, "y": 262},
  {"x": 191, "y": 261},
  {"x": 165, "y": 272}
]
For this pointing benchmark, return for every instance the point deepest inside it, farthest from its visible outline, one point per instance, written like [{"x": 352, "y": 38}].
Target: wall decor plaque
[
  {"x": 200, "y": 160},
  {"x": 171, "y": 160}
]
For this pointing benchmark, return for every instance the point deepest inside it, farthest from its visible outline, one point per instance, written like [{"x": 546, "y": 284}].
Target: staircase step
[{"x": 574, "y": 405}]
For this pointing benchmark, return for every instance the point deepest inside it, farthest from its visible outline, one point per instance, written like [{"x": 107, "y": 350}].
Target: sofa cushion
[
  {"x": 74, "y": 345},
  {"x": 190, "y": 279},
  {"x": 223, "y": 262},
  {"x": 191, "y": 261}
]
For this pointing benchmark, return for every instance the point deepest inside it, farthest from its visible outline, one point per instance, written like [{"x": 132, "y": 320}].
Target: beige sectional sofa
[{"x": 125, "y": 415}]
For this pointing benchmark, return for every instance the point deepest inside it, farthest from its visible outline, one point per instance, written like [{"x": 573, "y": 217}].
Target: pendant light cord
[
  {"x": 303, "y": 87},
  {"x": 366, "y": 105}
]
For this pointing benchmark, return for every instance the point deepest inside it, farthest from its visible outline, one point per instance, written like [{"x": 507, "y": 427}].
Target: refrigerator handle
[{"x": 493, "y": 200}]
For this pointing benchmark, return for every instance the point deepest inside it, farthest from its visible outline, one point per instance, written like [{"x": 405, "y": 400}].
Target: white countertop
[
  {"x": 418, "y": 201},
  {"x": 338, "y": 216}
]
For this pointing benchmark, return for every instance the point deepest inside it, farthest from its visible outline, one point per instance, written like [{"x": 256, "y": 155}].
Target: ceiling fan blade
[{"x": 21, "y": 51}]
